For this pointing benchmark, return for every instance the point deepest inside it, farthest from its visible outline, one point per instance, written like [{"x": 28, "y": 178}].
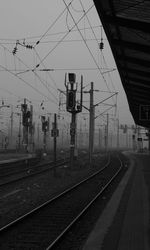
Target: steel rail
[
  {"x": 54, "y": 198},
  {"x": 55, "y": 242},
  {"x": 59, "y": 163}
]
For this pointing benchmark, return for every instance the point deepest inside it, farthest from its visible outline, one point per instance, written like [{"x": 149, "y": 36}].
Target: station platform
[{"x": 125, "y": 222}]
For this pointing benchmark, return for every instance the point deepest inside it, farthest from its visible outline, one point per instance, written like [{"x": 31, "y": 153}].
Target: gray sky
[{"x": 28, "y": 21}]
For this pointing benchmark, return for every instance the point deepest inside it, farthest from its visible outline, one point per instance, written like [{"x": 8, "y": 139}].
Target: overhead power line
[
  {"x": 76, "y": 24},
  {"x": 98, "y": 45},
  {"x": 52, "y": 25},
  {"x": 55, "y": 84},
  {"x": 12, "y": 40},
  {"x": 38, "y": 91},
  {"x": 28, "y": 70},
  {"x": 63, "y": 36},
  {"x": 106, "y": 70},
  {"x": 56, "y": 41}
]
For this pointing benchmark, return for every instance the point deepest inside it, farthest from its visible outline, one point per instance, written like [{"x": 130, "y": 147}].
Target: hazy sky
[{"x": 31, "y": 21}]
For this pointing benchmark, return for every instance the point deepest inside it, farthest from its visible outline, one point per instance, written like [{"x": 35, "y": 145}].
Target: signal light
[
  {"x": 71, "y": 100},
  {"x": 101, "y": 45},
  {"x": 45, "y": 126},
  {"x": 72, "y": 77}
]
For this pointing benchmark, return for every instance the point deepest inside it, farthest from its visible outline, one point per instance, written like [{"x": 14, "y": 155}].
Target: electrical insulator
[
  {"x": 29, "y": 46},
  {"x": 14, "y": 51},
  {"x": 71, "y": 100},
  {"x": 101, "y": 45}
]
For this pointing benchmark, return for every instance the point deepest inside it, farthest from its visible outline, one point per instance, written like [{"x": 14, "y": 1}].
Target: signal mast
[{"x": 73, "y": 106}]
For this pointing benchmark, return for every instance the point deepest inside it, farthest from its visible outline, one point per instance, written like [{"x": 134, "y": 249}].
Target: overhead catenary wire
[
  {"x": 9, "y": 92},
  {"x": 55, "y": 69},
  {"x": 56, "y": 41},
  {"x": 35, "y": 72},
  {"x": 38, "y": 91},
  {"x": 55, "y": 84},
  {"x": 62, "y": 69},
  {"x": 11, "y": 41},
  {"x": 28, "y": 70},
  {"x": 51, "y": 25},
  {"x": 45, "y": 84},
  {"x": 67, "y": 22},
  {"x": 63, "y": 37},
  {"x": 95, "y": 38},
  {"x": 76, "y": 9},
  {"x": 76, "y": 24},
  {"x": 108, "y": 71}
]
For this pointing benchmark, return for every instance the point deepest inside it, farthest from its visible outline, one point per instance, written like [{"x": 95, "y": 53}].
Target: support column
[
  {"x": 107, "y": 125},
  {"x": 118, "y": 134},
  {"x": 55, "y": 143},
  {"x": 91, "y": 124},
  {"x": 72, "y": 138},
  {"x": 149, "y": 140}
]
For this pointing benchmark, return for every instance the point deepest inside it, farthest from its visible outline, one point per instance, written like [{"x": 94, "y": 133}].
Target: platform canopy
[{"x": 127, "y": 26}]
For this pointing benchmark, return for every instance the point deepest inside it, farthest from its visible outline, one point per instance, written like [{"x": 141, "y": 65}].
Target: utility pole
[
  {"x": 73, "y": 120},
  {"x": 62, "y": 138},
  {"x": 19, "y": 132},
  {"x": 106, "y": 132},
  {"x": 55, "y": 143},
  {"x": 107, "y": 128},
  {"x": 31, "y": 128},
  {"x": 11, "y": 127},
  {"x": 45, "y": 129},
  {"x": 81, "y": 136},
  {"x": 149, "y": 140},
  {"x": 72, "y": 138},
  {"x": 55, "y": 134},
  {"x": 92, "y": 119},
  {"x": 73, "y": 107},
  {"x": 91, "y": 124},
  {"x": 118, "y": 133},
  {"x": 99, "y": 130},
  {"x": 27, "y": 123},
  {"x": 44, "y": 141},
  {"x": 127, "y": 144},
  {"x": 25, "y": 116}
]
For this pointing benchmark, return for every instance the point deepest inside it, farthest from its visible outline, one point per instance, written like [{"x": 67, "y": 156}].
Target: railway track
[
  {"x": 43, "y": 227},
  {"x": 13, "y": 174}
]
